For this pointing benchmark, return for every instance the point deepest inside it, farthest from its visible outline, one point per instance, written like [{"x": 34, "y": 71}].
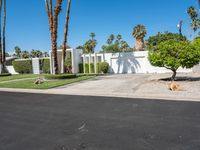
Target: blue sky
[{"x": 27, "y": 25}]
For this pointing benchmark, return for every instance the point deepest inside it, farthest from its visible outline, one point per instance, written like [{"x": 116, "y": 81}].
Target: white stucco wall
[
  {"x": 36, "y": 65},
  {"x": 132, "y": 62},
  {"x": 11, "y": 70}
]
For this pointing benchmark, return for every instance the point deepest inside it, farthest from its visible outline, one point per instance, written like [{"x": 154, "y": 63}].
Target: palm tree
[
  {"x": 119, "y": 37},
  {"x": 18, "y": 51},
  {"x": 92, "y": 35},
  {"x": 124, "y": 46},
  {"x": 111, "y": 39},
  {"x": 139, "y": 32},
  {"x": 4, "y": 37},
  {"x": 195, "y": 22},
  {"x": 1, "y": 54},
  {"x": 65, "y": 36},
  {"x": 192, "y": 13},
  {"x": 53, "y": 24}
]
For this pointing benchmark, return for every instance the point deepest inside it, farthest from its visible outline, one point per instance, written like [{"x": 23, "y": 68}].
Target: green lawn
[
  {"x": 15, "y": 77},
  {"x": 29, "y": 83}
]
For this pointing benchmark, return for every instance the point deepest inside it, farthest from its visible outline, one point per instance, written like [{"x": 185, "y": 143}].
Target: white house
[{"x": 120, "y": 63}]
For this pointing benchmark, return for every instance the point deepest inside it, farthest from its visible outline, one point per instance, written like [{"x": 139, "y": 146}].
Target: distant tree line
[{"x": 29, "y": 54}]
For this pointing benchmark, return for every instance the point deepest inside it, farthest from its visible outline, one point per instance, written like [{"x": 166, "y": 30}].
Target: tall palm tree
[
  {"x": 92, "y": 35},
  {"x": 124, "y": 46},
  {"x": 111, "y": 39},
  {"x": 193, "y": 14},
  {"x": 1, "y": 54},
  {"x": 119, "y": 37},
  {"x": 139, "y": 32},
  {"x": 53, "y": 24},
  {"x": 4, "y": 37},
  {"x": 65, "y": 36}
]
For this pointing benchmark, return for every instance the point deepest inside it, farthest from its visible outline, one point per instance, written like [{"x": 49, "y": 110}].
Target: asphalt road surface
[{"x": 55, "y": 122}]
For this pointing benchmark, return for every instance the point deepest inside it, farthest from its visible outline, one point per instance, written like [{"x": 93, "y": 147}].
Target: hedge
[
  {"x": 5, "y": 74},
  {"x": 102, "y": 67},
  {"x": 60, "y": 76},
  {"x": 86, "y": 68},
  {"x": 45, "y": 65},
  {"x": 81, "y": 68},
  {"x": 23, "y": 66}
]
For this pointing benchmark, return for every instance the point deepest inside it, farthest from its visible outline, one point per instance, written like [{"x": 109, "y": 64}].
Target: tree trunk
[
  {"x": 174, "y": 74},
  {"x": 4, "y": 39},
  {"x": 65, "y": 37},
  {"x": 1, "y": 54},
  {"x": 139, "y": 44},
  {"x": 53, "y": 23}
]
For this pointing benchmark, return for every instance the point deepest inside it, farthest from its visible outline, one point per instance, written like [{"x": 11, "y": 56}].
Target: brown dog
[{"x": 174, "y": 87}]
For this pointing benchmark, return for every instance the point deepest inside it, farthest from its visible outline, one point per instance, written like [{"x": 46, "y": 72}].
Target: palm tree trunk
[
  {"x": 4, "y": 38},
  {"x": 139, "y": 44},
  {"x": 1, "y": 55},
  {"x": 53, "y": 23},
  {"x": 54, "y": 34},
  {"x": 65, "y": 36}
]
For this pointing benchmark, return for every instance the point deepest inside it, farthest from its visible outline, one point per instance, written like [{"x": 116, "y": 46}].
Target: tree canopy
[
  {"x": 153, "y": 41},
  {"x": 173, "y": 54}
]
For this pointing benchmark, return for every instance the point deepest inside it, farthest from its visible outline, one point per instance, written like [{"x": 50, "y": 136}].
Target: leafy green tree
[
  {"x": 139, "y": 32},
  {"x": 153, "y": 41},
  {"x": 113, "y": 48},
  {"x": 173, "y": 54}
]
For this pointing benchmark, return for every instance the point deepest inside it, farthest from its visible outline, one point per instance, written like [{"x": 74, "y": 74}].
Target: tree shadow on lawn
[{"x": 181, "y": 78}]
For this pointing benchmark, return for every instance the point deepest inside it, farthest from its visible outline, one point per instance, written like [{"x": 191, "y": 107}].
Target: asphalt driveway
[{"x": 58, "y": 122}]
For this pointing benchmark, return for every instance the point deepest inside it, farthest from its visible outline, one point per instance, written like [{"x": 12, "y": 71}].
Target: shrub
[
  {"x": 92, "y": 68},
  {"x": 45, "y": 65},
  {"x": 103, "y": 67},
  {"x": 81, "y": 70},
  {"x": 60, "y": 76},
  {"x": 23, "y": 66},
  {"x": 5, "y": 74},
  {"x": 86, "y": 68}
]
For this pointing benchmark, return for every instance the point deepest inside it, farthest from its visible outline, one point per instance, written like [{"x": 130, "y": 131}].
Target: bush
[
  {"x": 23, "y": 66},
  {"x": 86, "y": 68},
  {"x": 5, "y": 74},
  {"x": 60, "y": 76},
  {"x": 92, "y": 68},
  {"x": 102, "y": 67},
  {"x": 81, "y": 70},
  {"x": 45, "y": 65}
]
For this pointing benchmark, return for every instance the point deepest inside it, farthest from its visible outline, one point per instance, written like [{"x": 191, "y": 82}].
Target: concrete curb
[{"x": 12, "y": 90}]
